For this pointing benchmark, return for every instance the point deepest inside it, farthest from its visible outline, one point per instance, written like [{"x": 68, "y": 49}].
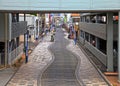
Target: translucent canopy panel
[{"x": 59, "y": 5}]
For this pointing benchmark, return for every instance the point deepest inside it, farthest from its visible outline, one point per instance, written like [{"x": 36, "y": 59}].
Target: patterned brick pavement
[
  {"x": 86, "y": 72},
  {"x": 29, "y": 73}
]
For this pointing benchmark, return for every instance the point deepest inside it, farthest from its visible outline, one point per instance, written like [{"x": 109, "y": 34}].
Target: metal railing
[{"x": 15, "y": 54}]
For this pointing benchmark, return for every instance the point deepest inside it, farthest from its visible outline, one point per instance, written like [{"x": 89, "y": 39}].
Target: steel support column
[
  {"x": 6, "y": 37},
  {"x": 110, "y": 42},
  {"x": 119, "y": 48}
]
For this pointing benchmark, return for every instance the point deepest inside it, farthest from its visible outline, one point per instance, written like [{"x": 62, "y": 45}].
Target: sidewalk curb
[
  {"x": 77, "y": 70},
  {"x": 22, "y": 63},
  {"x": 12, "y": 76},
  {"x": 44, "y": 69},
  {"x": 107, "y": 81},
  {"x": 77, "y": 67}
]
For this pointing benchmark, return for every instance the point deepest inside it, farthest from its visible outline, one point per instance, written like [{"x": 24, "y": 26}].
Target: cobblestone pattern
[
  {"x": 29, "y": 73},
  {"x": 86, "y": 72}
]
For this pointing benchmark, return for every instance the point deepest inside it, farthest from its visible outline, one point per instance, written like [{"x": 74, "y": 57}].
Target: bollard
[{"x": 52, "y": 38}]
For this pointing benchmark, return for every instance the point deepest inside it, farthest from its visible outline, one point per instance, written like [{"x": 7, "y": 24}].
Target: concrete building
[
  {"x": 99, "y": 33},
  {"x": 75, "y": 17},
  {"x": 10, "y": 31}
]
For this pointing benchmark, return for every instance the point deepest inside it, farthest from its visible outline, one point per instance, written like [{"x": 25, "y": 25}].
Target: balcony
[{"x": 98, "y": 30}]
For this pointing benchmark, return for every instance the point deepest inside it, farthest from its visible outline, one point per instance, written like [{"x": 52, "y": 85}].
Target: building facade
[
  {"x": 10, "y": 31},
  {"x": 96, "y": 37}
]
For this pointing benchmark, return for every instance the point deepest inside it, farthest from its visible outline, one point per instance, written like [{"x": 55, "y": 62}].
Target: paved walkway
[
  {"x": 62, "y": 71},
  {"x": 86, "y": 72},
  {"x": 5, "y": 75},
  {"x": 30, "y": 74}
]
